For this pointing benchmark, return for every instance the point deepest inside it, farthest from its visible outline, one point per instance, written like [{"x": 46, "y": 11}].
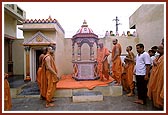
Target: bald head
[
  {"x": 115, "y": 41},
  {"x": 44, "y": 50},
  {"x": 49, "y": 49},
  {"x": 161, "y": 49}
]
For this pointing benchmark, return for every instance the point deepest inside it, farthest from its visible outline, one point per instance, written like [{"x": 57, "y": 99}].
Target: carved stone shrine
[{"x": 84, "y": 65}]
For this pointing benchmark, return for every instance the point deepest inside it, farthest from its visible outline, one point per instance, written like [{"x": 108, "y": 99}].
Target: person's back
[
  {"x": 49, "y": 77},
  {"x": 124, "y": 76},
  {"x": 40, "y": 59},
  {"x": 129, "y": 71},
  {"x": 116, "y": 62},
  {"x": 39, "y": 71},
  {"x": 102, "y": 55}
]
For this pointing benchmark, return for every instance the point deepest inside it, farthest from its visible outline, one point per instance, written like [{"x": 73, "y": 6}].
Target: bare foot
[
  {"x": 130, "y": 94},
  {"x": 52, "y": 100},
  {"x": 139, "y": 102},
  {"x": 50, "y": 105}
]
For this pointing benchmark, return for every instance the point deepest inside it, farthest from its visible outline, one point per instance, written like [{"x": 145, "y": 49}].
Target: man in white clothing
[{"x": 142, "y": 69}]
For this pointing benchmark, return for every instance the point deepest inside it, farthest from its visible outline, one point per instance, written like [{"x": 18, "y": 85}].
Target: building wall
[
  {"x": 18, "y": 57},
  {"x": 149, "y": 23},
  {"x": 63, "y": 55},
  {"x": 68, "y": 56},
  {"x": 5, "y": 56},
  {"x": 53, "y": 32},
  {"x": 60, "y": 55},
  {"x": 13, "y": 16},
  {"x": 10, "y": 25},
  {"x": 9, "y": 29},
  {"x": 124, "y": 41}
]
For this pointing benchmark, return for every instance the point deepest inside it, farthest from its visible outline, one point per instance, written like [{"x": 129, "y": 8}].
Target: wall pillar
[
  {"x": 10, "y": 62},
  {"x": 27, "y": 49}
]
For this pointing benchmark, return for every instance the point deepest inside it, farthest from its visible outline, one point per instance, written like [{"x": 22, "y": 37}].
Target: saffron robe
[
  {"x": 156, "y": 83},
  {"x": 130, "y": 71},
  {"x": 103, "y": 67},
  {"x": 38, "y": 77},
  {"x": 116, "y": 64},
  {"x": 124, "y": 80},
  {"x": 48, "y": 80},
  {"x": 39, "y": 72},
  {"x": 7, "y": 96}
]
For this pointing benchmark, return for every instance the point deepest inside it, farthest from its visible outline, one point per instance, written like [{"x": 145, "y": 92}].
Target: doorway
[
  {"x": 34, "y": 62},
  {"x": 38, "y": 53}
]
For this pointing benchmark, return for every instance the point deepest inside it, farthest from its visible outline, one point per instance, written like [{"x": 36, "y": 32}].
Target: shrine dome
[{"x": 85, "y": 31}]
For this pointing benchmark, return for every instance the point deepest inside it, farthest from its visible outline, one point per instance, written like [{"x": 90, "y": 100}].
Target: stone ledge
[
  {"x": 109, "y": 90},
  {"x": 87, "y": 96},
  {"x": 63, "y": 93}
]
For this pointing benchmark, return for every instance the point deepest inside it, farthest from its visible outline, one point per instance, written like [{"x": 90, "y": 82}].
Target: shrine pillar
[
  {"x": 79, "y": 53},
  {"x": 27, "y": 64},
  {"x": 91, "y": 53},
  {"x": 73, "y": 53}
]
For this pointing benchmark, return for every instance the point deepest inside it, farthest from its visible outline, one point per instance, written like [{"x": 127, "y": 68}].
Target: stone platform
[
  {"x": 109, "y": 90},
  {"x": 87, "y": 96},
  {"x": 31, "y": 89}
]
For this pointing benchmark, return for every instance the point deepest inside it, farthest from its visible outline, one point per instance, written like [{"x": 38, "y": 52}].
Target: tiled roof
[
  {"x": 43, "y": 21},
  {"x": 48, "y": 20}
]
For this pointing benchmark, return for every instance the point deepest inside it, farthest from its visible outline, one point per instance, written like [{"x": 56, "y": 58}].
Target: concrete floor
[
  {"x": 109, "y": 104},
  {"x": 64, "y": 104}
]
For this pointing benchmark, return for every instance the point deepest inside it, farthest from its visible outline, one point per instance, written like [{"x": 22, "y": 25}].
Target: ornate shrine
[{"x": 84, "y": 69}]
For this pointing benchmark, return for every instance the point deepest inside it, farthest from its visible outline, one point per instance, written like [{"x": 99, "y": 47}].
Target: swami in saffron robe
[
  {"x": 117, "y": 64},
  {"x": 103, "y": 67}
]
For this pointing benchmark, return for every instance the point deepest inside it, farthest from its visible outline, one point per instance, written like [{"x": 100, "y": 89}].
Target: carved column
[
  {"x": 10, "y": 62},
  {"x": 91, "y": 51},
  {"x": 79, "y": 53},
  {"x": 27, "y": 49},
  {"x": 73, "y": 54}
]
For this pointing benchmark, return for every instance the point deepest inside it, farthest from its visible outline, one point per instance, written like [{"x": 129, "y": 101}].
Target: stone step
[
  {"x": 87, "y": 96},
  {"x": 32, "y": 89},
  {"x": 109, "y": 90}
]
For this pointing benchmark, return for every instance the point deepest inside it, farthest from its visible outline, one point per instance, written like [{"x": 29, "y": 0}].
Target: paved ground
[
  {"x": 119, "y": 103},
  {"x": 109, "y": 104}
]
